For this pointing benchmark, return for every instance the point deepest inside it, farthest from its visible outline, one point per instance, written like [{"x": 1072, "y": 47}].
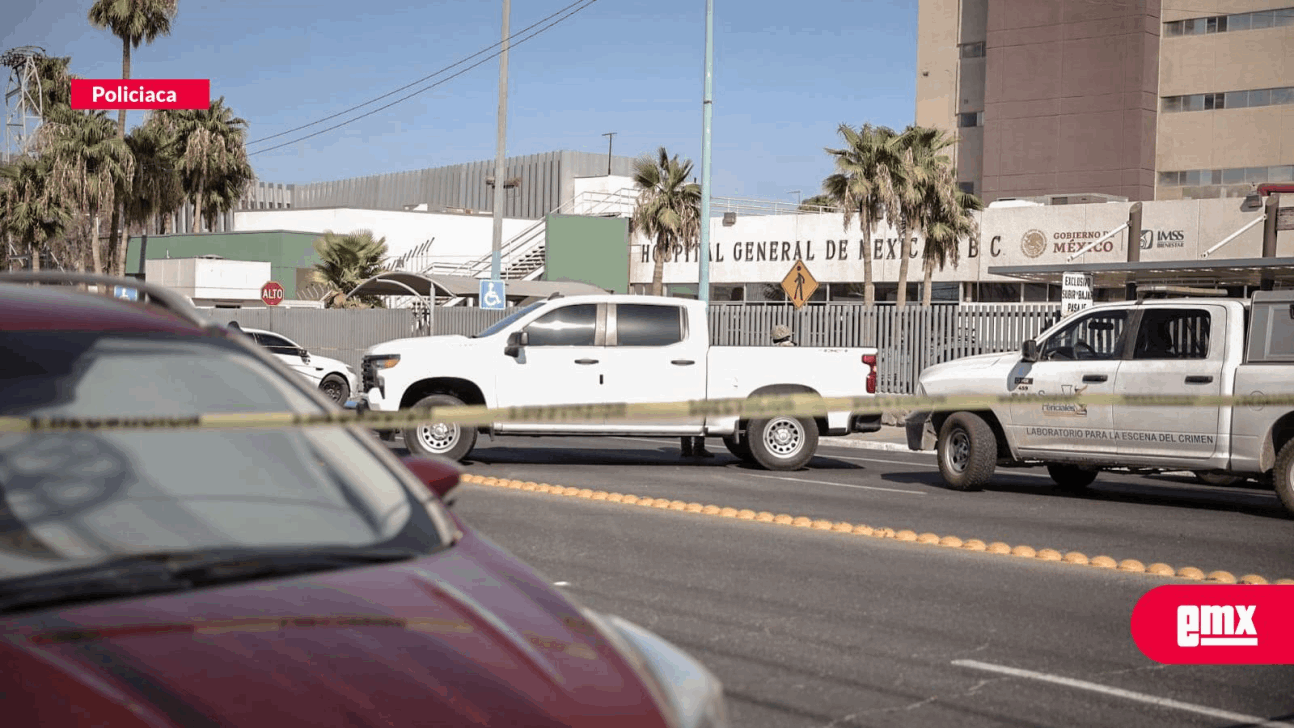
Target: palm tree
[
  {"x": 134, "y": 22},
  {"x": 950, "y": 218},
  {"x": 30, "y": 208},
  {"x": 156, "y": 190},
  {"x": 920, "y": 173},
  {"x": 862, "y": 184},
  {"x": 213, "y": 158},
  {"x": 89, "y": 163},
  {"x": 668, "y": 210},
  {"x": 55, "y": 86},
  {"x": 347, "y": 261}
]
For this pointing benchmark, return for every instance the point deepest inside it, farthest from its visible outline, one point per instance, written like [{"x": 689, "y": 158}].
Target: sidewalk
[{"x": 888, "y": 438}]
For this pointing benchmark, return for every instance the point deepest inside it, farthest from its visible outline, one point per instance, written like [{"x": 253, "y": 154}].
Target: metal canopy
[
  {"x": 400, "y": 283},
  {"x": 1232, "y": 272}
]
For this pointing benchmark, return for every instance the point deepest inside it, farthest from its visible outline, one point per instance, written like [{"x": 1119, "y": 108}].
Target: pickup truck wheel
[
  {"x": 1283, "y": 476},
  {"x": 967, "y": 451},
  {"x": 334, "y": 387},
  {"x": 782, "y": 443},
  {"x": 739, "y": 446},
  {"x": 1071, "y": 478},
  {"x": 444, "y": 439}
]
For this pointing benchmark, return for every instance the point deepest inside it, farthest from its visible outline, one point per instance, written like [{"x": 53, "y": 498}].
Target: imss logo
[{"x": 1216, "y": 624}]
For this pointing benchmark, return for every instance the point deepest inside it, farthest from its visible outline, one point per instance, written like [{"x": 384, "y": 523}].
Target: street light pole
[
  {"x": 611, "y": 135},
  {"x": 797, "y": 197},
  {"x": 496, "y": 245},
  {"x": 707, "y": 106}
]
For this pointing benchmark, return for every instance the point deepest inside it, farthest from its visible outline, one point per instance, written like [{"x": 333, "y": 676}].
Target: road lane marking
[
  {"x": 1120, "y": 693},
  {"x": 838, "y": 485}
]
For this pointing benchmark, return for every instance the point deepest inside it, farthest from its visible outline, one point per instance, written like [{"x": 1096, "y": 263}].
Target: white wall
[
  {"x": 605, "y": 194},
  {"x": 1182, "y": 230},
  {"x": 457, "y": 238},
  {"x": 204, "y": 279}
]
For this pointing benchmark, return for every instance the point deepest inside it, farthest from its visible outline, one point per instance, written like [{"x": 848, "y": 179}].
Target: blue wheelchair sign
[
  {"x": 492, "y": 295},
  {"x": 125, "y": 293}
]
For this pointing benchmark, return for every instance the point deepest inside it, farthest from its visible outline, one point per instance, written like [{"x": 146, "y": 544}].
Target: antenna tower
[{"x": 23, "y": 99}]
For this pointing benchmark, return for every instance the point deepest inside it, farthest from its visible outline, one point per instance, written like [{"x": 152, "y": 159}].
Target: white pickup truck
[
  {"x": 616, "y": 348},
  {"x": 1188, "y": 346}
]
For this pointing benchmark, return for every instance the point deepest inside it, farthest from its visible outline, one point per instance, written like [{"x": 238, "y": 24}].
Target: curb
[
  {"x": 861, "y": 444},
  {"x": 1020, "y": 551}
]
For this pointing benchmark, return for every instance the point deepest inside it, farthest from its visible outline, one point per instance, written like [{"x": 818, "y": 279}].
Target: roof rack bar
[
  {"x": 157, "y": 295},
  {"x": 1234, "y": 235}
]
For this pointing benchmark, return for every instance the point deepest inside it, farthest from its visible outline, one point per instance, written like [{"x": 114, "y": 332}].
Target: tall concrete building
[{"x": 1140, "y": 99}]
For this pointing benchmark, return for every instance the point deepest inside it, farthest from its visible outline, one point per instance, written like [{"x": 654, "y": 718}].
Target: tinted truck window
[
  {"x": 566, "y": 326},
  {"x": 647, "y": 325}
]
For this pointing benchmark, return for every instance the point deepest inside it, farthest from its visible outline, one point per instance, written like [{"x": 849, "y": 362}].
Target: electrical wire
[
  {"x": 415, "y": 83},
  {"x": 584, "y": 4}
]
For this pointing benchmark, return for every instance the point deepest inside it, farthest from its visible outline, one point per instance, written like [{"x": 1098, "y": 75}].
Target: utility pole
[
  {"x": 500, "y": 146},
  {"x": 797, "y": 197},
  {"x": 707, "y": 106},
  {"x": 611, "y": 135}
]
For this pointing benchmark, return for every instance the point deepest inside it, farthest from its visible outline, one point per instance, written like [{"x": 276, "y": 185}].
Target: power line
[
  {"x": 583, "y": 4},
  {"x": 415, "y": 83}
]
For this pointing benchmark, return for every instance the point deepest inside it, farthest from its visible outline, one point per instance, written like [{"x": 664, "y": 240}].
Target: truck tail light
[{"x": 870, "y": 361}]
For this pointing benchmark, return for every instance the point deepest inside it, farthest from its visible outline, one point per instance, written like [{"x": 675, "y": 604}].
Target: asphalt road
[{"x": 808, "y": 628}]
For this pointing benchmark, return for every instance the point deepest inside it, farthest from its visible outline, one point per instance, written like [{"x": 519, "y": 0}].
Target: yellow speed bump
[{"x": 999, "y": 548}]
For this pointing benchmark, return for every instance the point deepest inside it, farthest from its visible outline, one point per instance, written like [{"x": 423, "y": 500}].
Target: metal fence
[{"x": 908, "y": 340}]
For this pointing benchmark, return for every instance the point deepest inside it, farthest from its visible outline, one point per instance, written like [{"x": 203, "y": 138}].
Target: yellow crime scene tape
[{"x": 796, "y": 405}]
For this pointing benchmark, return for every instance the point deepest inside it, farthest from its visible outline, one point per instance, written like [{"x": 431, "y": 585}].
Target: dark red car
[{"x": 265, "y": 577}]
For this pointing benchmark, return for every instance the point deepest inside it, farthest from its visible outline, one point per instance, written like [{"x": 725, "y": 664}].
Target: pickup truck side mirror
[
  {"x": 516, "y": 340},
  {"x": 1029, "y": 350},
  {"x": 305, "y": 355}
]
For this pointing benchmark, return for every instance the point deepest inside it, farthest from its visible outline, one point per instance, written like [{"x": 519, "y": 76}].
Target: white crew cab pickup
[
  {"x": 616, "y": 348},
  {"x": 1188, "y": 346}
]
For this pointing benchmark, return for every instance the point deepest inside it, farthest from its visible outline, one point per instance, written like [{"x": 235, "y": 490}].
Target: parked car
[
  {"x": 1187, "y": 346},
  {"x": 591, "y": 349},
  {"x": 185, "y": 577},
  {"x": 334, "y": 378}
]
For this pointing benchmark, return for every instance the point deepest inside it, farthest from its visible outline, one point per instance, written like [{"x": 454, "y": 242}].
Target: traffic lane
[
  {"x": 806, "y": 628},
  {"x": 1123, "y": 516}
]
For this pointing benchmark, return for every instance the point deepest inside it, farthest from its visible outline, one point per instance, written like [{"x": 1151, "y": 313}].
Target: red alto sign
[
  {"x": 1211, "y": 624},
  {"x": 271, "y": 294}
]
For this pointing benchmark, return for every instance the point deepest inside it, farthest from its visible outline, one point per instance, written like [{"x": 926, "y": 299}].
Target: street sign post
[
  {"x": 799, "y": 284},
  {"x": 271, "y": 294},
  {"x": 492, "y": 295}
]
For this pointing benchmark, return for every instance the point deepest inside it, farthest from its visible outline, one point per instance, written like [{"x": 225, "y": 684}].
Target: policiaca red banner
[{"x": 141, "y": 94}]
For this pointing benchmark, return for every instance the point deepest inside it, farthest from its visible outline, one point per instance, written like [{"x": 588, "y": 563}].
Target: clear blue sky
[{"x": 786, "y": 74}]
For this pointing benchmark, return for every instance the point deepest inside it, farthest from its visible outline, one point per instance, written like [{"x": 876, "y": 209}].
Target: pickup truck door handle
[
  {"x": 586, "y": 361},
  {"x": 682, "y": 362},
  {"x": 1094, "y": 377},
  {"x": 1199, "y": 379}
]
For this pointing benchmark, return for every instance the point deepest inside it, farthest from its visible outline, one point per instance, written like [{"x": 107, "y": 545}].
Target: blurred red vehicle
[{"x": 265, "y": 577}]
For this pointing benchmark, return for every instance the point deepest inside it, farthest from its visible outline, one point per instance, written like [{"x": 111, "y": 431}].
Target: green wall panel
[
  {"x": 588, "y": 249},
  {"x": 289, "y": 253}
]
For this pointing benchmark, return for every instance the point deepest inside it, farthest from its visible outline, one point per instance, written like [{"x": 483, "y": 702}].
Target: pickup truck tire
[
  {"x": 1283, "y": 476},
  {"x": 1071, "y": 478},
  {"x": 439, "y": 438},
  {"x": 782, "y": 443},
  {"x": 967, "y": 451},
  {"x": 738, "y": 445}
]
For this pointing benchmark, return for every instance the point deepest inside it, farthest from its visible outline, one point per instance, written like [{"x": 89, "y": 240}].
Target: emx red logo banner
[
  {"x": 1216, "y": 624},
  {"x": 145, "y": 94}
]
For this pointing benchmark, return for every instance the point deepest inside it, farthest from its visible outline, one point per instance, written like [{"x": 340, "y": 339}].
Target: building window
[
  {"x": 967, "y": 187},
  {"x": 1232, "y": 176},
  {"x": 972, "y": 118},
  {"x": 1259, "y": 20},
  {"x": 1229, "y": 100},
  {"x": 972, "y": 50}
]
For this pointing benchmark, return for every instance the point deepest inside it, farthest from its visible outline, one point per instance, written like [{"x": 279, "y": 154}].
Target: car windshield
[
  {"x": 506, "y": 321},
  {"x": 72, "y": 499}
]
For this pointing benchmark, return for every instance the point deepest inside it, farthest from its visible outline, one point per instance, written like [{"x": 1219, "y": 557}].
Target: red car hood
[{"x": 465, "y": 637}]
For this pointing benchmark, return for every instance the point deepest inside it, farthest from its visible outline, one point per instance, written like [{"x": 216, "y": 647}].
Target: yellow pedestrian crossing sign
[{"x": 799, "y": 283}]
